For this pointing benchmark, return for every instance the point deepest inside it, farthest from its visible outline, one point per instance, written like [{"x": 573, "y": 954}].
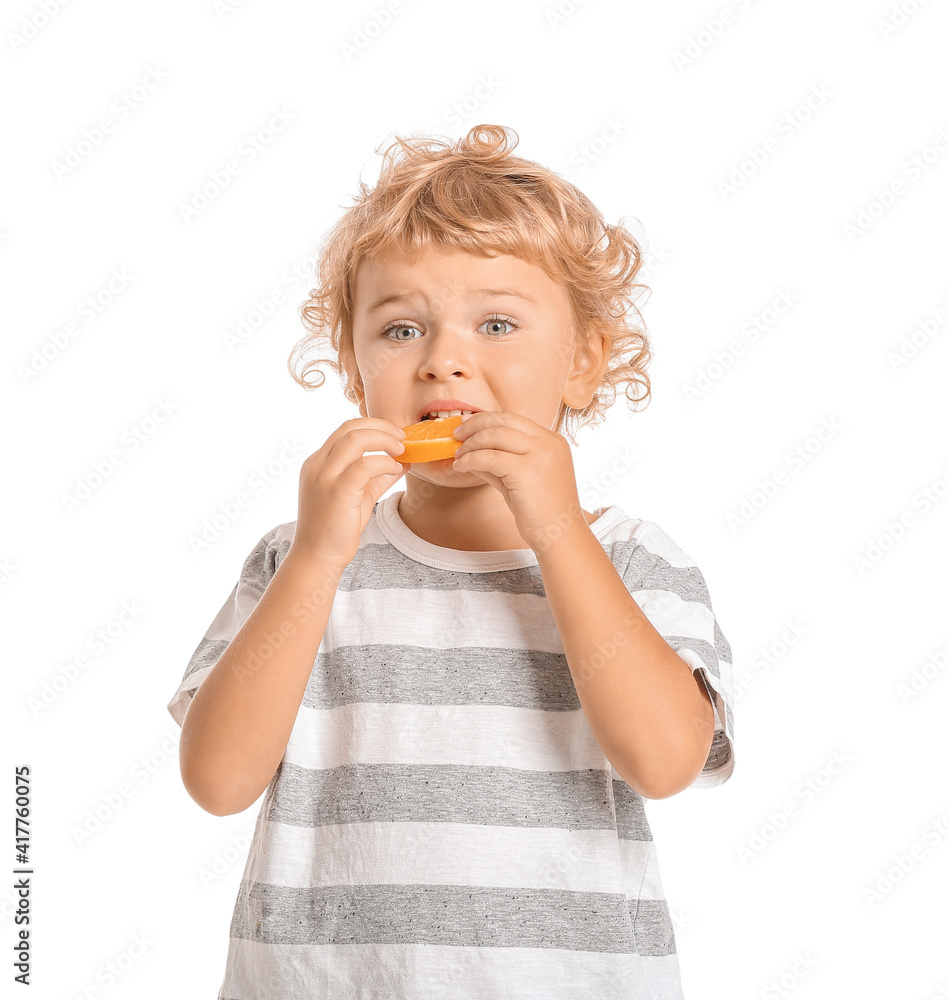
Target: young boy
[{"x": 457, "y": 697}]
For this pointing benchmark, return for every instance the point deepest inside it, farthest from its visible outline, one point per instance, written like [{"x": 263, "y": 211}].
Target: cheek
[
  {"x": 382, "y": 370},
  {"x": 535, "y": 377}
]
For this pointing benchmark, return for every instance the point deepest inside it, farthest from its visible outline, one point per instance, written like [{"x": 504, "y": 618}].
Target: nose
[{"x": 445, "y": 351}]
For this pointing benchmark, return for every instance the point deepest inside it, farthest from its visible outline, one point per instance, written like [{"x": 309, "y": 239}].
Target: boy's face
[{"x": 448, "y": 337}]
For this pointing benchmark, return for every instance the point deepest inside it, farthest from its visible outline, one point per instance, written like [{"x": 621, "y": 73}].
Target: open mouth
[{"x": 446, "y": 413}]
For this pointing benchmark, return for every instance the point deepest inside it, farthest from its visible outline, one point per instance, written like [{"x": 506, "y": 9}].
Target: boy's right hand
[{"x": 340, "y": 485}]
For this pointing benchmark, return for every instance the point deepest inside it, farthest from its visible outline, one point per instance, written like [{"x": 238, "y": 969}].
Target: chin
[{"x": 437, "y": 472}]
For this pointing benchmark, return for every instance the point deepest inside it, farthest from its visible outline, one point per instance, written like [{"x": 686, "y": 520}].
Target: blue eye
[{"x": 405, "y": 325}]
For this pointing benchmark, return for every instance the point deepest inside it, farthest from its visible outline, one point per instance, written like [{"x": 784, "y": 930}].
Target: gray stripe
[
  {"x": 413, "y": 675},
  {"x": 208, "y": 652},
  {"x": 721, "y": 644},
  {"x": 720, "y": 752},
  {"x": 631, "y": 821},
  {"x": 379, "y": 566},
  {"x": 441, "y": 793},
  {"x": 704, "y": 649},
  {"x": 257, "y": 571},
  {"x": 647, "y": 571},
  {"x": 724, "y": 652},
  {"x": 454, "y": 915},
  {"x": 260, "y": 565},
  {"x": 652, "y": 928},
  {"x": 709, "y": 656}
]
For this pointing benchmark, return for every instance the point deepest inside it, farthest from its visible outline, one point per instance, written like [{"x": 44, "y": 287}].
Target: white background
[{"x": 669, "y": 101}]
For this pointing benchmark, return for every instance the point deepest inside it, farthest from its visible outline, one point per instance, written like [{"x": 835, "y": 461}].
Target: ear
[
  {"x": 359, "y": 394},
  {"x": 590, "y": 361}
]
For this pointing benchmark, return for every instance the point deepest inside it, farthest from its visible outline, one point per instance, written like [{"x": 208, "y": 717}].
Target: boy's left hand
[{"x": 532, "y": 466}]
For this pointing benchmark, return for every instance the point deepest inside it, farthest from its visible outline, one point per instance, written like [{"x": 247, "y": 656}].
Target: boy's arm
[
  {"x": 239, "y": 721},
  {"x": 651, "y": 715}
]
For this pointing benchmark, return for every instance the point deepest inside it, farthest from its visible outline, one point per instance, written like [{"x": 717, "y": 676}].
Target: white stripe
[
  {"x": 234, "y": 612},
  {"x": 642, "y": 874},
  {"x": 178, "y": 706},
  {"x": 673, "y": 616},
  {"x": 435, "y": 972},
  {"x": 433, "y": 619},
  {"x": 455, "y": 854},
  {"x": 655, "y": 540},
  {"x": 475, "y": 735}
]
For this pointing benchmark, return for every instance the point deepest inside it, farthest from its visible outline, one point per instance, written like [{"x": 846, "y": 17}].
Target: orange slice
[{"x": 430, "y": 440}]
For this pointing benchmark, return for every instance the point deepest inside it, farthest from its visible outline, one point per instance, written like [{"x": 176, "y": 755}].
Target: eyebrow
[{"x": 511, "y": 292}]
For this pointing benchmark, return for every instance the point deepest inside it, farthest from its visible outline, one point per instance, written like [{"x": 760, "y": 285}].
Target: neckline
[{"x": 490, "y": 561}]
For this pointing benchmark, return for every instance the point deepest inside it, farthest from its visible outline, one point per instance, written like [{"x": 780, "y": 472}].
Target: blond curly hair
[{"x": 476, "y": 197}]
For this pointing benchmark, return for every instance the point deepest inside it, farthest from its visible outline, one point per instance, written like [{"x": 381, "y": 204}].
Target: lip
[{"x": 445, "y": 404}]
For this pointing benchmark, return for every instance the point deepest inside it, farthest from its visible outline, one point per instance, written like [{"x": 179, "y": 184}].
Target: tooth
[{"x": 441, "y": 414}]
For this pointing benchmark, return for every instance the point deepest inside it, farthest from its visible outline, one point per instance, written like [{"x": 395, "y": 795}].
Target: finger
[
  {"x": 507, "y": 439},
  {"x": 484, "y": 460}
]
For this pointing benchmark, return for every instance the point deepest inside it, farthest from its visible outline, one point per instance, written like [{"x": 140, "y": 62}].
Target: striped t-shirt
[{"x": 443, "y": 823}]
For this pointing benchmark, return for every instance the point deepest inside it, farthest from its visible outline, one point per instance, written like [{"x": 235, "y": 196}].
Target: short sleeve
[
  {"x": 256, "y": 573},
  {"x": 671, "y": 591}
]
